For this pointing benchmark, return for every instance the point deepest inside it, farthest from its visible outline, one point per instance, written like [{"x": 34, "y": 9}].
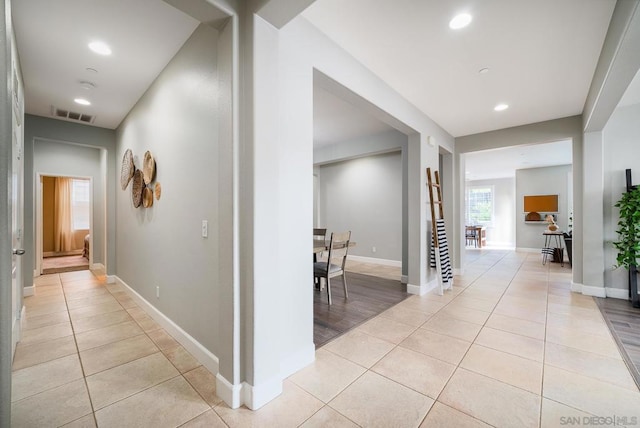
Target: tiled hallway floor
[{"x": 510, "y": 346}]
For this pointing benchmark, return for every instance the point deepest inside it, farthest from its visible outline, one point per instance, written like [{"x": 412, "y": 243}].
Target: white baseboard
[
  {"x": 298, "y": 361},
  {"x": 256, "y": 396},
  {"x": 97, "y": 266},
  {"x": 422, "y": 289},
  {"x": 111, "y": 279},
  {"x": 36, "y": 273},
  {"x": 29, "y": 291},
  {"x": 404, "y": 279},
  {"x": 589, "y": 290},
  {"x": 203, "y": 355},
  {"x": 617, "y": 293},
  {"x": 372, "y": 260},
  {"x": 576, "y": 287},
  {"x": 229, "y": 393},
  {"x": 61, "y": 253}
]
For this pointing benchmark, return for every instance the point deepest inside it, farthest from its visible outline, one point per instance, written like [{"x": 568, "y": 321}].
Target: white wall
[
  {"x": 621, "y": 151},
  {"x": 161, "y": 246},
  {"x": 364, "y": 196},
  {"x": 60, "y": 159},
  {"x": 540, "y": 181},
  {"x": 503, "y": 230}
]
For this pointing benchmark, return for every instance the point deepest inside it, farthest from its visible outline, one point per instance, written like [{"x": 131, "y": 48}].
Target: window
[
  {"x": 479, "y": 205},
  {"x": 80, "y": 209}
]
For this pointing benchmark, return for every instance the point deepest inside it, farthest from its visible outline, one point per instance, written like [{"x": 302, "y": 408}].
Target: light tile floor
[{"x": 509, "y": 346}]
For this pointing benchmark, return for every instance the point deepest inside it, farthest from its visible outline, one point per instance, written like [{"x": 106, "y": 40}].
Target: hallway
[{"x": 509, "y": 346}]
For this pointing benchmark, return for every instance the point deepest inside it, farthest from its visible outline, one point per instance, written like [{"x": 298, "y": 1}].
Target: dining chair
[
  {"x": 321, "y": 235},
  {"x": 335, "y": 263},
  {"x": 470, "y": 235}
]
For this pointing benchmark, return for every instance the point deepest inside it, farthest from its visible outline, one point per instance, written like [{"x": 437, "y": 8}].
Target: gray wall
[
  {"x": 41, "y": 129},
  {"x": 364, "y": 195},
  {"x": 161, "y": 246},
  {"x": 503, "y": 230},
  {"x": 59, "y": 159},
  {"x": 551, "y": 180},
  {"x": 621, "y": 151}
]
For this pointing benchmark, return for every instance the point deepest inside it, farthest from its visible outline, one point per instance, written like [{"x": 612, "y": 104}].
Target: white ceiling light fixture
[
  {"x": 501, "y": 107},
  {"x": 460, "y": 21},
  {"x": 100, "y": 48},
  {"x": 82, "y": 101},
  {"x": 484, "y": 70}
]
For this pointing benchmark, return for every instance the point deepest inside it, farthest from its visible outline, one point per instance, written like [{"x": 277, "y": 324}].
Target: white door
[{"x": 17, "y": 164}]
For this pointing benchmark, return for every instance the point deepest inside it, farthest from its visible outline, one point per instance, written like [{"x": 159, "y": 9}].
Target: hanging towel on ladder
[{"x": 445, "y": 262}]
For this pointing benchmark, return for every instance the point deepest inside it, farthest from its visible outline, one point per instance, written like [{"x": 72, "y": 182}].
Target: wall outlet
[
  {"x": 157, "y": 291},
  {"x": 205, "y": 228},
  {"x": 373, "y": 249}
]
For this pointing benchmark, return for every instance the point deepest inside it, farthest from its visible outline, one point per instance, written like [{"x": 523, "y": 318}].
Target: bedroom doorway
[{"x": 65, "y": 224}]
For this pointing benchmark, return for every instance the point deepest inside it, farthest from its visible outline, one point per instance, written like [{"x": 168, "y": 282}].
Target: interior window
[
  {"x": 80, "y": 204},
  {"x": 479, "y": 205}
]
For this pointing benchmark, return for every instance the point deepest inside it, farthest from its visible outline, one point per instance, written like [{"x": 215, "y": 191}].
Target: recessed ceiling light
[
  {"x": 501, "y": 107},
  {"x": 100, "y": 48},
  {"x": 460, "y": 21},
  {"x": 85, "y": 84},
  {"x": 91, "y": 70},
  {"x": 484, "y": 70},
  {"x": 82, "y": 101}
]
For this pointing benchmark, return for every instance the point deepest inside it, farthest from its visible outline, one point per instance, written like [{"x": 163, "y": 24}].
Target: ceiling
[
  {"x": 541, "y": 54},
  {"x": 503, "y": 163},
  {"x": 534, "y": 51},
  {"x": 52, "y": 39},
  {"x": 336, "y": 120}
]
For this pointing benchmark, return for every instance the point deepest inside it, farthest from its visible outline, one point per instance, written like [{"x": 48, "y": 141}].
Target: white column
[
  {"x": 420, "y": 279},
  {"x": 593, "y": 217}
]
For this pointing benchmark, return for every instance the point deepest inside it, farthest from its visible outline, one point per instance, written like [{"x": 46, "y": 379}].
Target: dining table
[{"x": 320, "y": 245}]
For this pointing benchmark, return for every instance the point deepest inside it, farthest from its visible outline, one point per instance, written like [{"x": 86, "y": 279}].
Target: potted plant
[{"x": 628, "y": 245}]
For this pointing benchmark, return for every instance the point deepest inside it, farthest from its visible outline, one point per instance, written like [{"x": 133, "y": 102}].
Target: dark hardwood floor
[
  {"x": 368, "y": 297},
  {"x": 624, "y": 322}
]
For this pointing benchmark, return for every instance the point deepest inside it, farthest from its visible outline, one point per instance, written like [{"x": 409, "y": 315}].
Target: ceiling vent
[{"x": 71, "y": 115}]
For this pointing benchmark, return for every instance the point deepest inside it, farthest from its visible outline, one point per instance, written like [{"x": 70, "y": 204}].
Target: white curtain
[{"x": 62, "y": 221}]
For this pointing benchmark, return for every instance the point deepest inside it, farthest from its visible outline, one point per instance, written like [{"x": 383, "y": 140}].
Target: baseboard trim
[
  {"x": 29, "y": 291},
  {"x": 229, "y": 393},
  {"x": 373, "y": 260},
  {"x": 111, "y": 279},
  {"x": 589, "y": 290},
  {"x": 576, "y": 287},
  {"x": 97, "y": 266},
  {"x": 62, "y": 253},
  {"x": 203, "y": 355},
  {"x": 404, "y": 279},
  {"x": 422, "y": 289},
  {"x": 298, "y": 361},
  {"x": 617, "y": 293},
  {"x": 256, "y": 396},
  {"x": 36, "y": 273}
]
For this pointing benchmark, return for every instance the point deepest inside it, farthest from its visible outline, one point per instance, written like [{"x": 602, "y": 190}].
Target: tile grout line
[
  {"x": 467, "y": 351},
  {"x": 84, "y": 376}
]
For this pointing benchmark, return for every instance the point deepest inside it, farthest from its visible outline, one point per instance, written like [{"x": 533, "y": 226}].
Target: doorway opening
[{"x": 65, "y": 244}]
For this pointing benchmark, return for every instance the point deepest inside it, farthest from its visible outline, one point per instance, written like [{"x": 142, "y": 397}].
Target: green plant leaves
[{"x": 628, "y": 230}]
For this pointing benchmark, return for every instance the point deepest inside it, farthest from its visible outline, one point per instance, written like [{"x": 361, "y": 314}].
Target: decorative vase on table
[{"x": 553, "y": 227}]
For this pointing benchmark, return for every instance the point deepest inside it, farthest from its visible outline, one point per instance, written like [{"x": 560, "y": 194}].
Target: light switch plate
[{"x": 205, "y": 228}]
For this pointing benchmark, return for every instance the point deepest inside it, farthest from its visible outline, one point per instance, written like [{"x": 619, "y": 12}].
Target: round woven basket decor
[
  {"x": 158, "y": 191},
  {"x": 126, "y": 172},
  {"x": 147, "y": 197},
  {"x": 148, "y": 167},
  {"x": 136, "y": 188}
]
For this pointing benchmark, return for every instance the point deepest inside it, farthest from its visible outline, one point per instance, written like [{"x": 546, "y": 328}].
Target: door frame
[{"x": 39, "y": 218}]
